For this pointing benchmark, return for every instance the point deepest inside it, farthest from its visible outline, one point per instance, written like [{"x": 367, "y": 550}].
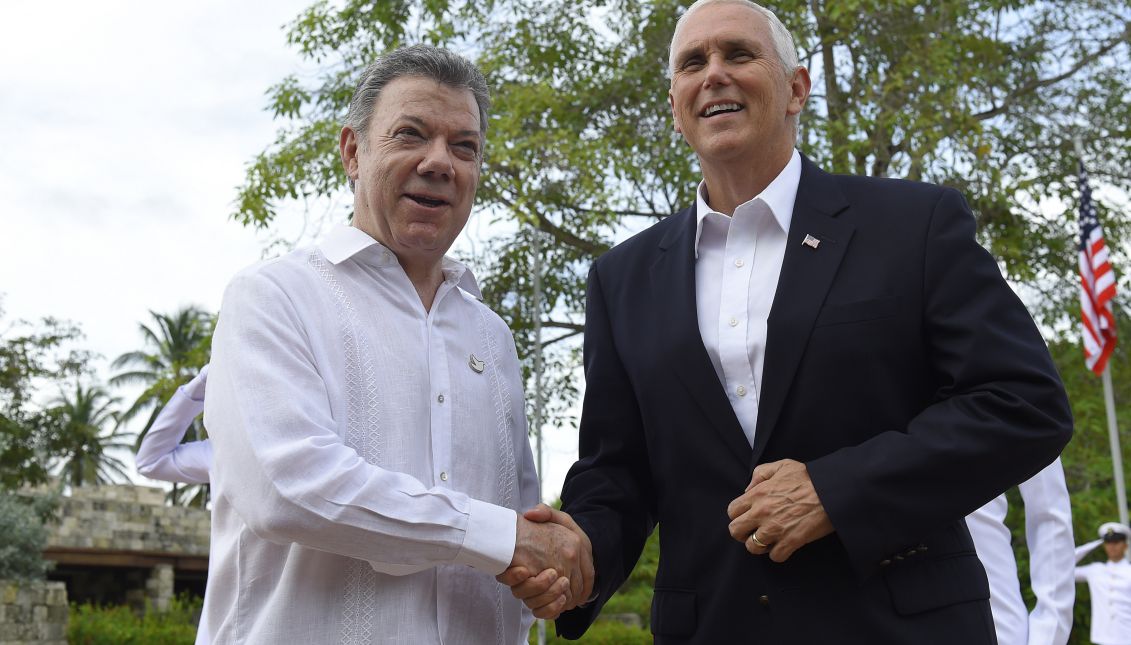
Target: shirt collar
[
  {"x": 780, "y": 196},
  {"x": 345, "y": 242}
]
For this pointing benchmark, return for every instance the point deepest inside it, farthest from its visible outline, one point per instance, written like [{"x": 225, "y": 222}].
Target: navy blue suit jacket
[{"x": 899, "y": 367}]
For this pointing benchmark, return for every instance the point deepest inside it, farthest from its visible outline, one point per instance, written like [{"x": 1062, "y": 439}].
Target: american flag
[{"x": 1097, "y": 284}]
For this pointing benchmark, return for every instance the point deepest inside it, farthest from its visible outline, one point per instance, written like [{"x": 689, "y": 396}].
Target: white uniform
[
  {"x": 1110, "y": 585},
  {"x": 1048, "y": 534},
  {"x": 161, "y": 454}
]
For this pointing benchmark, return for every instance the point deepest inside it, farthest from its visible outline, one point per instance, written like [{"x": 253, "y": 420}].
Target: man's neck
[
  {"x": 731, "y": 184},
  {"x": 426, "y": 278}
]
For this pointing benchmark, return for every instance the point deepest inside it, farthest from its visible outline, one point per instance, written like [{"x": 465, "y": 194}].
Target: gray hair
[
  {"x": 423, "y": 61},
  {"x": 784, "y": 46}
]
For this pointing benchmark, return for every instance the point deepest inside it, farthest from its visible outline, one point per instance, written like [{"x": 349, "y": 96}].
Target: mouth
[
  {"x": 427, "y": 200},
  {"x": 716, "y": 109}
]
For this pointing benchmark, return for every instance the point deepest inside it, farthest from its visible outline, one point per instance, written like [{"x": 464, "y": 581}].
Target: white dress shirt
[
  {"x": 1110, "y": 585},
  {"x": 370, "y": 456},
  {"x": 1048, "y": 534},
  {"x": 738, "y": 259},
  {"x": 161, "y": 454}
]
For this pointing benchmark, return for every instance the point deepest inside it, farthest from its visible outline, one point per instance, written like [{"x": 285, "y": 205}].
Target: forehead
[
  {"x": 429, "y": 100},
  {"x": 721, "y": 24}
]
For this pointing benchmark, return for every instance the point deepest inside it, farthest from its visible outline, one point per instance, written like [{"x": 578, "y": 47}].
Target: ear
[
  {"x": 347, "y": 147},
  {"x": 799, "y": 86},
  {"x": 675, "y": 116}
]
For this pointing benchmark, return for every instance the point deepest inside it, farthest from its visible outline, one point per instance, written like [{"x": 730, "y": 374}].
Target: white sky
[{"x": 125, "y": 127}]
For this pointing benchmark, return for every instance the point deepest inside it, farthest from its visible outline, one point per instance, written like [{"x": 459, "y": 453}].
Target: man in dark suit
[{"x": 844, "y": 339}]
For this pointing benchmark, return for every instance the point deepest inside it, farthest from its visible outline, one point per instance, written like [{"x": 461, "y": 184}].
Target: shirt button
[
  {"x": 440, "y": 399},
  {"x": 444, "y": 476},
  {"x": 764, "y": 600},
  {"x": 739, "y": 262},
  {"x": 733, "y": 322},
  {"x": 741, "y": 390}
]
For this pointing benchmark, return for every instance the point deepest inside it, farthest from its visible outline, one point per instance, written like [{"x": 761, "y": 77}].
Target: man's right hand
[{"x": 550, "y": 541}]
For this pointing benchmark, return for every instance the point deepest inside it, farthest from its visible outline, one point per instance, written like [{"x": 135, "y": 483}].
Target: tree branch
[{"x": 1033, "y": 86}]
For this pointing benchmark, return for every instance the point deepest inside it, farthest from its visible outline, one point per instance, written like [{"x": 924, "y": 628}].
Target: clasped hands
[
  {"x": 779, "y": 512},
  {"x": 552, "y": 568}
]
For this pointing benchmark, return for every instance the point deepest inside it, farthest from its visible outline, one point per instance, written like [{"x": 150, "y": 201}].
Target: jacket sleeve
[
  {"x": 999, "y": 413},
  {"x": 607, "y": 491}
]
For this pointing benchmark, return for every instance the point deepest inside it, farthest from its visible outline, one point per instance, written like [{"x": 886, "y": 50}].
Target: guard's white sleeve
[
  {"x": 163, "y": 456},
  {"x": 1083, "y": 550},
  {"x": 1048, "y": 532}
]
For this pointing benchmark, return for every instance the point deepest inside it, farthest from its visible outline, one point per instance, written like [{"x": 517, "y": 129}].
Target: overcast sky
[{"x": 125, "y": 127}]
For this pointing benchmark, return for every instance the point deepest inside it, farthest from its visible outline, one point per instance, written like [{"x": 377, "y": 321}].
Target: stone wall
[
  {"x": 33, "y": 613},
  {"x": 129, "y": 518}
]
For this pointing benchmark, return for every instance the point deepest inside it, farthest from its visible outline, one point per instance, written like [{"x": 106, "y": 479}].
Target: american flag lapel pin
[{"x": 811, "y": 241}]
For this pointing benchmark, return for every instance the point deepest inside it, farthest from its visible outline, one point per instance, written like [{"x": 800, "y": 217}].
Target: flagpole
[
  {"x": 1109, "y": 405},
  {"x": 1116, "y": 453},
  {"x": 537, "y": 315}
]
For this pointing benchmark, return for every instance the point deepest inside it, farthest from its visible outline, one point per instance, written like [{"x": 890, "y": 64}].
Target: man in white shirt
[
  {"x": 367, "y": 409},
  {"x": 1048, "y": 534},
  {"x": 1110, "y": 585}
]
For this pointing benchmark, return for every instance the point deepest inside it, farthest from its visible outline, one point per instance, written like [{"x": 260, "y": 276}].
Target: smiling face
[
  {"x": 730, "y": 97},
  {"x": 417, "y": 170}
]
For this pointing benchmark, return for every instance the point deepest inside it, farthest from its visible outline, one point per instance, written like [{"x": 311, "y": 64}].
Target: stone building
[{"x": 121, "y": 544}]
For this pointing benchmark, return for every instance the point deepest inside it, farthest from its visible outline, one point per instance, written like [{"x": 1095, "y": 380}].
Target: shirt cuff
[{"x": 488, "y": 543}]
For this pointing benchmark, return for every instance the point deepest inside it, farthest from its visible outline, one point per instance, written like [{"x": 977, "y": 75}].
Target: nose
[
  {"x": 437, "y": 161},
  {"x": 715, "y": 72}
]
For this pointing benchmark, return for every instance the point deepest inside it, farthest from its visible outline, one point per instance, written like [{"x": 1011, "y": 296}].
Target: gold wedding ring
[{"x": 755, "y": 540}]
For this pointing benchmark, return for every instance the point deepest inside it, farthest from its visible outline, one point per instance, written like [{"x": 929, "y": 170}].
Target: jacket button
[
  {"x": 764, "y": 600},
  {"x": 884, "y": 563}
]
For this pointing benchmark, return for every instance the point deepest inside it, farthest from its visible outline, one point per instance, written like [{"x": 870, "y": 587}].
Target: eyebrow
[
  {"x": 728, "y": 44},
  {"x": 417, "y": 121}
]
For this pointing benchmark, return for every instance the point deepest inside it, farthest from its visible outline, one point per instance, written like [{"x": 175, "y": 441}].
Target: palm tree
[
  {"x": 176, "y": 346},
  {"x": 81, "y": 450}
]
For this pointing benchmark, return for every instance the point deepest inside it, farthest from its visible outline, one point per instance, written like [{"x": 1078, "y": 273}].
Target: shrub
[
  {"x": 23, "y": 535},
  {"x": 93, "y": 625}
]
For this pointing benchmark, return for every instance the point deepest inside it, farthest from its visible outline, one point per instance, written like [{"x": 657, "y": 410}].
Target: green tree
[
  {"x": 31, "y": 355},
  {"x": 90, "y": 427},
  {"x": 175, "y": 347},
  {"x": 981, "y": 95}
]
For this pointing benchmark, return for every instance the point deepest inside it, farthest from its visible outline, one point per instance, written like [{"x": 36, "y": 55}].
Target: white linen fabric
[
  {"x": 161, "y": 454},
  {"x": 370, "y": 456},
  {"x": 1048, "y": 534},
  {"x": 1110, "y": 585},
  {"x": 738, "y": 260}
]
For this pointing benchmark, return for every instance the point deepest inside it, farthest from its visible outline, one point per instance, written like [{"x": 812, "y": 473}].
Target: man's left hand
[{"x": 780, "y": 509}]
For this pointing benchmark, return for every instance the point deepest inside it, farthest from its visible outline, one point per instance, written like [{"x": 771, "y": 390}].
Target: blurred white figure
[
  {"x": 161, "y": 454},
  {"x": 1048, "y": 533},
  {"x": 1110, "y": 584}
]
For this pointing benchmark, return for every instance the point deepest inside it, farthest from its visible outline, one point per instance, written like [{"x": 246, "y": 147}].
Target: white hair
[{"x": 782, "y": 39}]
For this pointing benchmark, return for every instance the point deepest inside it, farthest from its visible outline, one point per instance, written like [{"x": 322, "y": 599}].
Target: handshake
[{"x": 552, "y": 568}]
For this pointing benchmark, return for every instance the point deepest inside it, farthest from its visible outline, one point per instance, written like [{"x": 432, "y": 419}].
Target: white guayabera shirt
[{"x": 370, "y": 456}]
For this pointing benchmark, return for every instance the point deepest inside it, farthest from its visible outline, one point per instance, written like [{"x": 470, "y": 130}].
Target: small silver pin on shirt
[
  {"x": 475, "y": 364},
  {"x": 810, "y": 241}
]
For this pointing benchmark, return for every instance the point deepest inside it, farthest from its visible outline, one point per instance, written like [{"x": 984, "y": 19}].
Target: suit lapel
[
  {"x": 806, "y": 275},
  {"x": 673, "y": 283}
]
